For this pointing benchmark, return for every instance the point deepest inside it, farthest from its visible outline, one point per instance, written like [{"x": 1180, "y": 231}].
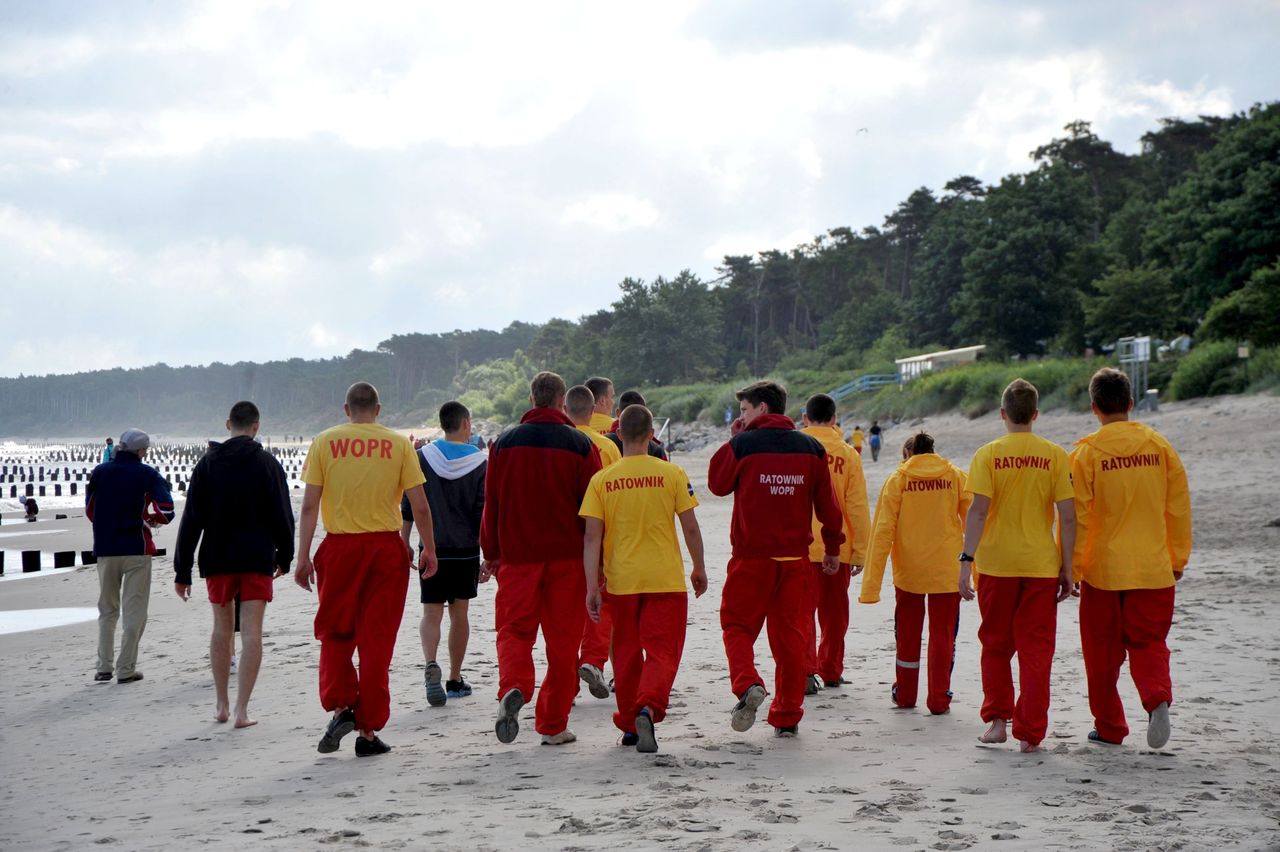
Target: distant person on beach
[
  {"x": 455, "y": 470},
  {"x": 597, "y": 633},
  {"x": 1016, "y": 482},
  {"x": 602, "y": 415},
  {"x": 109, "y": 451},
  {"x": 875, "y": 440},
  {"x": 1133, "y": 540},
  {"x": 532, "y": 542},
  {"x": 919, "y": 524},
  {"x": 355, "y": 475},
  {"x": 778, "y": 479},
  {"x": 239, "y": 513},
  {"x": 627, "y": 399},
  {"x": 829, "y": 593},
  {"x": 124, "y": 500},
  {"x": 857, "y": 437},
  {"x": 630, "y": 510},
  {"x": 32, "y": 508}
]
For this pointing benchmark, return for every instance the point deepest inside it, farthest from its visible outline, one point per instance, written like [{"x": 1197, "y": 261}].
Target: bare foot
[
  {"x": 994, "y": 734},
  {"x": 1027, "y": 748},
  {"x": 222, "y": 713},
  {"x": 243, "y": 721}
]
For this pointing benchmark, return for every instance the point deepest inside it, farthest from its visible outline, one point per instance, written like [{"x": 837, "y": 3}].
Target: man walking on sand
[
  {"x": 238, "y": 511},
  {"x": 355, "y": 475},
  {"x": 532, "y": 540},
  {"x": 125, "y": 500}
]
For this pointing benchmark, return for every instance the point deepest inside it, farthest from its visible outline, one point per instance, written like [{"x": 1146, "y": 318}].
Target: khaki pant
[{"x": 124, "y": 582}]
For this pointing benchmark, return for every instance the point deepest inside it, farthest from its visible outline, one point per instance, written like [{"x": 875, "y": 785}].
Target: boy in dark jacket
[
  {"x": 455, "y": 470},
  {"x": 779, "y": 480},
  {"x": 238, "y": 510}
]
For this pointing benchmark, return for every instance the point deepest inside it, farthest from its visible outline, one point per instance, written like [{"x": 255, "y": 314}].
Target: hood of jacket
[
  {"x": 825, "y": 435},
  {"x": 1123, "y": 438},
  {"x": 771, "y": 421},
  {"x": 451, "y": 468},
  {"x": 925, "y": 466},
  {"x": 547, "y": 415},
  {"x": 239, "y": 446}
]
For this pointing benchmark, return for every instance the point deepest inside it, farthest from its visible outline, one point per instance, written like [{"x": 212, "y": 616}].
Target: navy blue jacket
[{"x": 123, "y": 494}]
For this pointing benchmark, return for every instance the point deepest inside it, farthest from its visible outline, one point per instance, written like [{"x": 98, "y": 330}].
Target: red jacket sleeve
[
  {"x": 489, "y": 519},
  {"x": 722, "y": 474},
  {"x": 826, "y": 508}
]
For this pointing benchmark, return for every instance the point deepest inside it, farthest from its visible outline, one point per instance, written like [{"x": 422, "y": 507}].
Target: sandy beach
[{"x": 144, "y": 766}]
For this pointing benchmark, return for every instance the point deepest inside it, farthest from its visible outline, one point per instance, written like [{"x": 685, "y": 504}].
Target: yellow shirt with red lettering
[
  {"x": 609, "y": 452},
  {"x": 850, "y": 486},
  {"x": 602, "y": 423},
  {"x": 638, "y": 499},
  {"x": 1024, "y": 475},
  {"x": 364, "y": 468}
]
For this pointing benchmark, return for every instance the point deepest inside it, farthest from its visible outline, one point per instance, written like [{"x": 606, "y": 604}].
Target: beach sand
[{"x": 144, "y": 766}]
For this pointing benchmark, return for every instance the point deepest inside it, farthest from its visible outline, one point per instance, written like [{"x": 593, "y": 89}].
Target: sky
[{"x": 226, "y": 181}]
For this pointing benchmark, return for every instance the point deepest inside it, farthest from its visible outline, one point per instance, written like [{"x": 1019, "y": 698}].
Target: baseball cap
[{"x": 133, "y": 440}]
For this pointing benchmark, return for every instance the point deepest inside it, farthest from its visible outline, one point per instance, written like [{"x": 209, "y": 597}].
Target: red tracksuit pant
[
  {"x": 1019, "y": 615},
  {"x": 361, "y": 581},
  {"x": 648, "y": 641},
  {"x": 1133, "y": 621},
  {"x": 829, "y": 601},
  {"x": 908, "y": 624},
  {"x": 596, "y": 638},
  {"x": 757, "y": 591},
  {"x": 549, "y": 595}
]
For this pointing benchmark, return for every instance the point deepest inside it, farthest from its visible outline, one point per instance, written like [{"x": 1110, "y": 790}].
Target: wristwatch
[{"x": 964, "y": 557}]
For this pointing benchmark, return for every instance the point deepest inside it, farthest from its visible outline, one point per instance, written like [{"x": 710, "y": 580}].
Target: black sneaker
[
  {"x": 457, "y": 688},
  {"x": 786, "y": 731},
  {"x": 102, "y": 677},
  {"x": 339, "y": 726},
  {"x": 832, "y": 684},
  {"x": 133, "y": 678},
  {"x": 629, "y": 740},
  {"x": 811, "y": 685},
  {"x": 368, "y": 748},
  {"x": 1095, "y": 737},
  {"x": 436, "y": 696}
]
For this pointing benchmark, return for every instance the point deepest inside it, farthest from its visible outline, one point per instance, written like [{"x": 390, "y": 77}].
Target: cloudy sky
[{"x": 187, "y": 183}]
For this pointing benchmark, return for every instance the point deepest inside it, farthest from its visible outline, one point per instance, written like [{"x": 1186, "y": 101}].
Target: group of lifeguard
[{"x": 574, "y": 514}]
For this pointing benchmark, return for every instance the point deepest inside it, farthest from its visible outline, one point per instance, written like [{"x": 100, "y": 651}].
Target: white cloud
[
  {"x": 754, "y": 243},
  {"x": 612, "y": 211}
]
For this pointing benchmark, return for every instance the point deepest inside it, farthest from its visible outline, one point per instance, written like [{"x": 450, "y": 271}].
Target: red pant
[
  {"x": 908, "y": 624},
  {"x": 1019, "y": 614},
  {"x": 549, "y": 595},
  {"x": 757, "y": 590},
  {"x": 648, "y": 641},
  {"x": 361, "y": 581},
  {"x": 829, "y": 599},
  {"x": 1112, "y": 623},
  {"x": 596, "y": 638}
]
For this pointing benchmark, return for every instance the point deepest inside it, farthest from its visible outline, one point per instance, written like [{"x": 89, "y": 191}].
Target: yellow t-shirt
[
  {"x": 364, "y": 468},
  {"x": 1024, "y": 475},
  {"x": 609, "y": 452},
  {"x": 857, "y": 437},
  {"x": 638, "y": 499},
  {"x": 602, "y": 423}
]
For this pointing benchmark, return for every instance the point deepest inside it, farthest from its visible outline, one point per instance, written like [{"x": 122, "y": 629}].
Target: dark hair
[
  {"x": 771, "y": 394},
  {"x": 631, "y": 397},
  {"x": 635, "y": 423},
  {"x": 1020, "y": 401},
  {"x": 546, "y": 389},
  {"x": 362, "y": 397},
  {"x": 452, "y": 413},
  {"x": 599, "y": 386},
  {"x": 820, "y": 408},
  {"x": 579, "y": 400},
  {"x": 109, "y": 441},
  {"x": 920, "y": 443},
  {"x": 243, "y": 414},
  {"x": 1110, "y": 391}
]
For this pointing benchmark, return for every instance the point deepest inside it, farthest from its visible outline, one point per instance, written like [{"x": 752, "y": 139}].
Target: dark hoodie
[{"x": 238, "y": 509}]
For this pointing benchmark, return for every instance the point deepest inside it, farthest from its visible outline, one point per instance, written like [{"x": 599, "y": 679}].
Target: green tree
[{"x": 1251, "y": 313}]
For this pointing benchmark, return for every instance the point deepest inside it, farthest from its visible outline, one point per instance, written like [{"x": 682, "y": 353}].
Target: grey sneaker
[
  {"x": 646, "y": 740},
  {"x": 744, "y": 712},
  {"x": 594, "y": 679},
  {"x": 508, "y": 722},
  {"x": 812, "y": 686},
  {"x": 436, "y": 696},
  {"x": 1158, "y": 727},
  {"x": 563, "y": 738}
]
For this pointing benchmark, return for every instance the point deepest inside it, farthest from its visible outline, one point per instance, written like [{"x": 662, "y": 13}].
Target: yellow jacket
[
  {"x": 920, "y": 523},
  {"x": 601, "y": 423},
  {"x": 1133, "y": 509},
  {"x": 608, "y": 450},
  {"x": 851, "y": 494}
]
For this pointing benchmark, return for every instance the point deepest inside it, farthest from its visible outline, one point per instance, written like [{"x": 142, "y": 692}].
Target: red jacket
[
  {"x": 779, "y": 480},
  {"x": 538, "y": 474}
]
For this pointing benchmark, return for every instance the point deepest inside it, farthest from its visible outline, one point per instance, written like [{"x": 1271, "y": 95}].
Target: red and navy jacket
[
  {"x": 779, "y": 479},
  {"x": 538, "y": 474},
  {"x": 122, "y": 495}
]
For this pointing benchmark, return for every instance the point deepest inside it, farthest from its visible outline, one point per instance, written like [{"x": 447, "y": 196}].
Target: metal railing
[{"x": 863, "y": 384}]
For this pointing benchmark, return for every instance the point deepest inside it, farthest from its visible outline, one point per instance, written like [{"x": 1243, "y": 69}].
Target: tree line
[{"x": 1088, "y": 245}]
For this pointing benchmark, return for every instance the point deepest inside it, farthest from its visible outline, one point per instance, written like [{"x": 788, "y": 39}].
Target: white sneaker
[
  {"x": 594, "y": 679},
  {"x": 744, "y": 712},
  {"x": 563, "y": 738},
  {"x": 1158, "y": 727}
]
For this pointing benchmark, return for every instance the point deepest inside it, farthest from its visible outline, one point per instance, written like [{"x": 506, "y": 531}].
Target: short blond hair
[
  {"x": 1020, "y": 401},
  {"x": 547, "y": 388}
]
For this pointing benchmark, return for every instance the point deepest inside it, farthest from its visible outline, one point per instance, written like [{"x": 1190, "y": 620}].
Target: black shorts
[{"x": 457, "y": 579}]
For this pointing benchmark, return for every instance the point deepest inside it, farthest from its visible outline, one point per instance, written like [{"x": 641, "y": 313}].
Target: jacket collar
[
  {"x": 547, "y": 415},
  {"x": 772, "y": 421}
]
